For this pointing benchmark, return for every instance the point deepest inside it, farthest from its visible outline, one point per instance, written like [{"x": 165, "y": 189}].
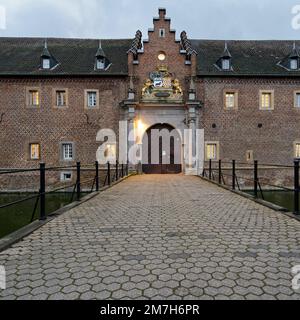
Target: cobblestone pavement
[{"x": 158, "y": 237}]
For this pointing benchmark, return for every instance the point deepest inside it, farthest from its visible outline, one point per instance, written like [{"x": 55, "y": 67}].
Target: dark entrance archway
[{"x": 162, "y": 150}]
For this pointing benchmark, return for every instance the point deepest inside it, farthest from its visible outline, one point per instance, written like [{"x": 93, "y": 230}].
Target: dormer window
[
  {"x": 100, "y": 64},
  {"x": 292, "y": 61},
  {"x": 46, "y": 63},
  {"x": 226, "y": 64},
  {"x": 294, "y": 64},
  {"x": 47, "y": 60},
  {"x": 101, "y": 61}
]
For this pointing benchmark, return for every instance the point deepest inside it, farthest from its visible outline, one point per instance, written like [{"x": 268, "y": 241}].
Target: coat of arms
[{"x": 161, "y": 86}]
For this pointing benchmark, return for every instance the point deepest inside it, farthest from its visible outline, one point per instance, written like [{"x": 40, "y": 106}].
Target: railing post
[
  {"x": 122, "y": 170},
  {"x": 296, "y": 190},
  {"x": 210, "y": 169},
  {"x": 220, "y": 171},
  {"x": 108, "y": 173},
  {"x": 233, "y": 174},
  {"x": 117, "y": 170},
  {"x": 255, "y": 178},
  {"x": 78, "y": 186},
  {"x": 97, "y": 175},
  {"x": 42, "y": 191}
]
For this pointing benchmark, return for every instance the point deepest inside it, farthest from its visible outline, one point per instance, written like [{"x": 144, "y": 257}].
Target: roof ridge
[{"x": 58, "y": 38}]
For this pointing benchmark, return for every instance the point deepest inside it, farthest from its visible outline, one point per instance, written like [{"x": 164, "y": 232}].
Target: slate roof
[
  {"x": 21, "y": 56},
  {"x": 76, "y": 57},
  {"x": 249, "y": 58}
]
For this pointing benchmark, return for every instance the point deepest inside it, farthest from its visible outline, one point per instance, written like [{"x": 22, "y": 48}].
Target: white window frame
[
  {"x": 92, "y": 99},
  {"x": 46, "y": 63},
  {"x": 294, "y": 64},
  {"x": 63, "y": 178},
  {"x": 67, "y": 151},
  {"x": 87, "y": 98},
  {"x": 226, "y": 64},
  {"x": 100, "y": 64}
]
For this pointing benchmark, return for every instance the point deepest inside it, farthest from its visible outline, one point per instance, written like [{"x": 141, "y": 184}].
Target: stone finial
[
  {"x": 136, "y": 44},
  {"x": 186, "y": 44}
]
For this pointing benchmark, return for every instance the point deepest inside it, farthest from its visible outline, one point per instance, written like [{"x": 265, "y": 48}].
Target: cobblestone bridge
[{"x": 158, "y": 237}]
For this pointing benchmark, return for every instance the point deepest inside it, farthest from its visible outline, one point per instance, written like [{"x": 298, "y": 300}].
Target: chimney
[{"x": 162, "y": 13}]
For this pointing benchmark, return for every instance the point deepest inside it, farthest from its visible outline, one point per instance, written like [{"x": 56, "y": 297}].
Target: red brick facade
[
  {"x": 22, "y": 125},
  {"x": 236, "y": 131},
  {"x": 239, "y": 131}
]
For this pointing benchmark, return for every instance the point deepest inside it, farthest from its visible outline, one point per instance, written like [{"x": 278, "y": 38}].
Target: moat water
[
  {"x": 19, "y": 215},
  {"x": 283, "y": 199}
]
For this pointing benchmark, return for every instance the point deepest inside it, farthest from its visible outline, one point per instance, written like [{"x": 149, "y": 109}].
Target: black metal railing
[
  {"x": 100, "y": 177},
  {"x": 226, "y": 173}
]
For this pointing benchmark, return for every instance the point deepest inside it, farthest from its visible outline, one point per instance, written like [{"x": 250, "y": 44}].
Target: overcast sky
[{"x": 213, "y": 19}]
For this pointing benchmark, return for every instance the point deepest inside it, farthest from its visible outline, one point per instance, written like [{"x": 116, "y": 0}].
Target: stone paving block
[{"x": 152, "y": 241}]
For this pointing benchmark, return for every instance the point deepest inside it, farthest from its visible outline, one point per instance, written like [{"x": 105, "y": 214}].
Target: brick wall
[
  {"x": 237, "y": 130},
  {"x": 149, "y": 62},
  {"x": 48, "y": 125}
]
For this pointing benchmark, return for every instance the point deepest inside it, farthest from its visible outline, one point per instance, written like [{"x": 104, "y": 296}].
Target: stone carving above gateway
[{"x": 162, "y": 87}]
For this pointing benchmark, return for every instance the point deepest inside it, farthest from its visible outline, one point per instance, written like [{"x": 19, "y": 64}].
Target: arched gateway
[
  {"x": 161, "y": 97},
  {"x": 162, "y": 150}
]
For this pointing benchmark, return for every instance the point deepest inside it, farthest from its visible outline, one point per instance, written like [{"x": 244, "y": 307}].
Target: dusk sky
[{"x": 213, "y": 19}]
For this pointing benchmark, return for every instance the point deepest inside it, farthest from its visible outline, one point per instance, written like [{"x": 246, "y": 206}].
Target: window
[
  {"x": 266, "y": 100},
  {"x": 66, "y": 176},
  {"x": 297, "y": 149},
  {"x": 34, "y": 99},
  {"x": 110, "y": 152},
  {"x": 91, "y": 99},
  {"x": 34, "y": 151},
  {"x": 100, "y": 64},
  {"x": 249, "y": 155},
  {"x": 225, "y": 64},
  {"x": 67, "y": 151},
  {"x": 212, "y": 150},
  {"x": 230, "y": 100},
  {"x": 161, "y": 56},
  {"x": 61, "y": 98},
  {"x": 293, "y": 64},
  {"x": 46, "y": 63},
  {"x": 162, "y": 33},
  {"x": 297, "y": 100}
]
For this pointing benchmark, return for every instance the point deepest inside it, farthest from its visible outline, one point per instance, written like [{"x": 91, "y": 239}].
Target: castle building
[{"x": 236, "y": 99}]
